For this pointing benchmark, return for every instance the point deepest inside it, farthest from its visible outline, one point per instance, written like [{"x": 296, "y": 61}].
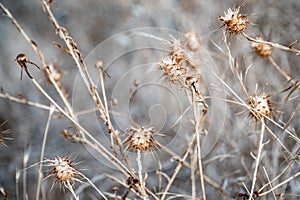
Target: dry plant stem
[
  {"x": 118, "y": 142},
  {"x": 93, "y": 185},
  {"x": 25, "y": 161},
  {"x": 231, "y": 60},
  {"x": 41, "y": 56},
  {"x": 180, "y": 164},
  {"x": 76, "y": 56},
  {"x": 17, "y": 178},
  {"x": 282, "y": 72},
  {"x": 26, "y": 102},
  {"x": 70, "y": 188},
  {"x": 242, "y": 103},
  {"x": 276, "y": 45},
  {"x": 193, "y": 158},
  {"x": 200, "y": 167},
  {"x": 40, "y": 173},
  {"x": 277, "y": 177},
  {"x": 95, "y": 143},
  {"x": 2, "y": 190},
  {"x": 198, "y": 126},
  {"x": 257, "y": 160},
  {"x": 280, "y": 184},
  {"x": 206, "y": 178},
  {"x": 269, "y": 182},
  {"x": 140, "y": 169}
]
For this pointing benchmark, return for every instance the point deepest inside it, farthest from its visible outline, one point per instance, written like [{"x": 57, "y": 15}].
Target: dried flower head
[
  {"x": 141, "y": 139},
  {"x": 234, "y": 21},
  {"x": 261, "y": 48},
  {"x": 23, "y": 61},
  {"x": 192, "y": 42},
  {"x": 261, "y": 106},
  {"x": 63, "y": 170},
  {"x": 172, "y": 66}
]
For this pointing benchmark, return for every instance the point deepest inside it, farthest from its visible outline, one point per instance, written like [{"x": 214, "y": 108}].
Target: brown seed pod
[
  {"x": 22, "y": 61},
  {"x": 262, "y": 49}
]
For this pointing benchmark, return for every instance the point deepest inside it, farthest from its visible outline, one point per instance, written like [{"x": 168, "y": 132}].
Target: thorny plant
[
  {"x": 180, "y": 68},
  {"x": 3, "y": 133}
]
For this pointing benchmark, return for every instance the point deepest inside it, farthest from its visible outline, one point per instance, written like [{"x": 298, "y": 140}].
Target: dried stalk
[
  {"x": 257, "y": 159},
  {"x": 40, "y": 174},
  {"x": 276, "y": 45}
]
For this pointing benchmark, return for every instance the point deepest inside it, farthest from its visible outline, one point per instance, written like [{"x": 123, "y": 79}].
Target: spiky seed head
[
  {"x": 3, "y": 133},
  {"x": 63, "y": 170},
  {"x": 262, "y": 49},
  {"x": 172, "y": 66},
  {"x": 261, "y": 106},
  {"x": 141, "y": 139},
  {"x": 192, "y": 42},
  {"x": 234, "y": 21}
]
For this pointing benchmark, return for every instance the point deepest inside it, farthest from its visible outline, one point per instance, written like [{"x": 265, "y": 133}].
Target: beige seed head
[
  {"x": 172, "y": 66},
  {"x": 234, "y": 21},
  {"x": 261, "y": 106},
  {"x": 192, "y": 42},
  {"x": 63, "y": 170},
  {"x": 261, "y": 48},
  {"x": 141, "y": 139}
]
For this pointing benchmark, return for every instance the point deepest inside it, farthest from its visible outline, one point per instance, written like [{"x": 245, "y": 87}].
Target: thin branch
[
  {"x": 80, "y": 64},
  {"x": 40, "y": 174},
  {"x": 41, "y": 56},
  {"x": 179, "y": 166},
  {"x": 282, "y": 72},
  {"x": 276, "y": 45},
  {"x": 25, "y": 101},
  {"x": 280, "y": 184},
  {"x": 257, "y": 160}
]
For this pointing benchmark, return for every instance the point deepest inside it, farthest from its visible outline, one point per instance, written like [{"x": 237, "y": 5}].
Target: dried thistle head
[
  {"x": 172, "y": 66},
  {"x": 141, "y": 139},
  {"x": 260, "y": 106},
  {"x": 234, "y": 21},
  {"x": 63, "y": 170},
  {"x": 262, "y": 49}
]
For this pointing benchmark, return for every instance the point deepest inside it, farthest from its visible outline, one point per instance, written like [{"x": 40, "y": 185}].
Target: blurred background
[{"x": 91, "y": 22}]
